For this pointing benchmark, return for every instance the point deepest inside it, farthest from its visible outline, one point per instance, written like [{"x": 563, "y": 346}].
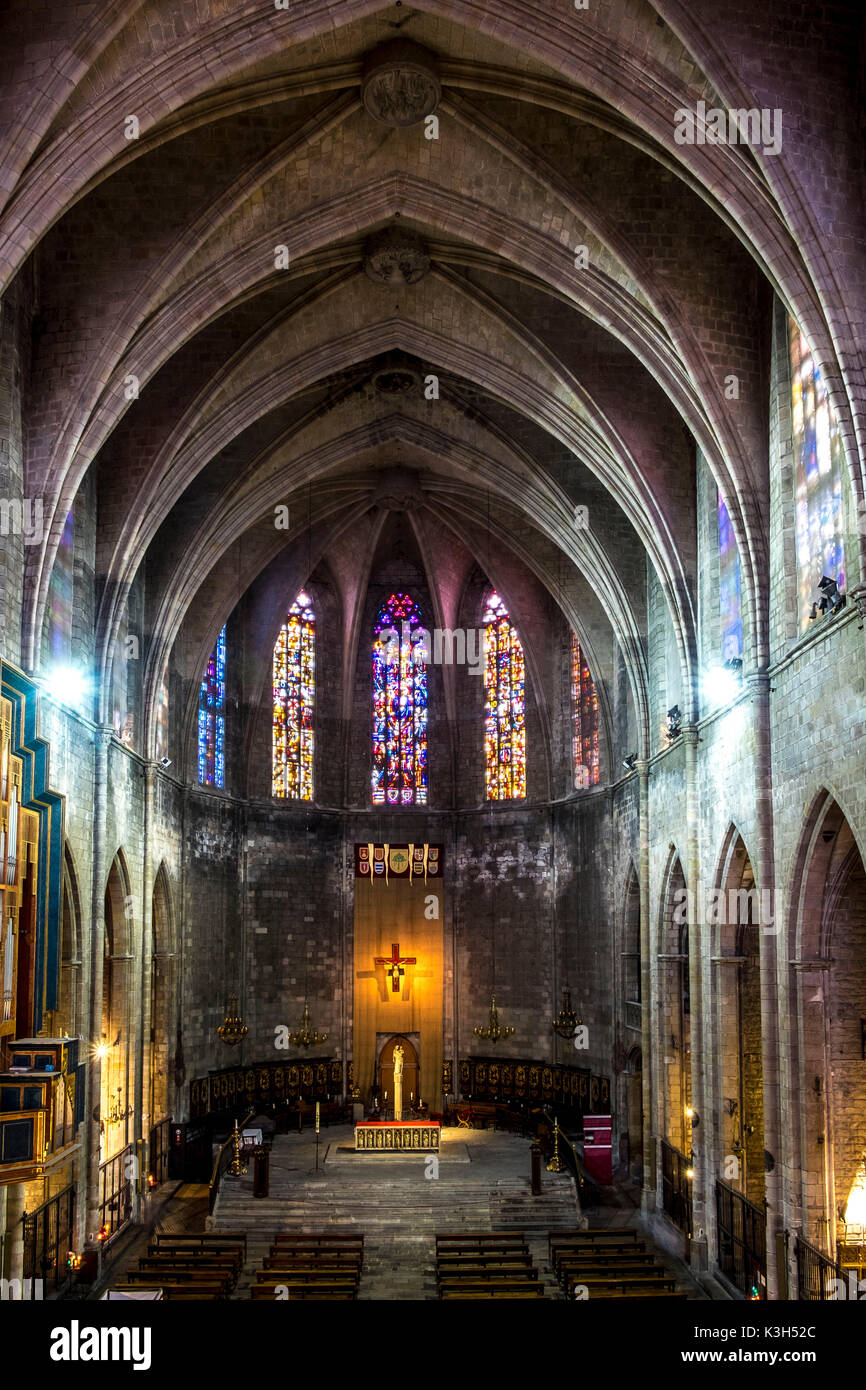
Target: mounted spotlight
[
  {"x": 629, "y": 762},
  {"x": 675, "y": 723},
  {"x": 831, "y": 598},
  {"x": 165, "y": 763}
]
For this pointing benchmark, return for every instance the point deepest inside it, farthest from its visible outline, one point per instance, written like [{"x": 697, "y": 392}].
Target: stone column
[
  {"x": 648, "y": 1195},
  {"x": 702, "y": 1182},
  {"x": 144, "y": 1051},
  {"x": 89, "y": 1190},
  {"x": 772, "y": 999}
]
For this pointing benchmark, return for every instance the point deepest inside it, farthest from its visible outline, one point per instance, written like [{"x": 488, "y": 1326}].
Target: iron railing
[
  {"x": 677, "y": 1188},
  {"x": 157, "y": 1149},
  {"x": 48, "y": 1235},
  {"x": 816, "y": 1273},
  {"x": 742, "y": 1239},
  {"x": 116, "y": 1192}
]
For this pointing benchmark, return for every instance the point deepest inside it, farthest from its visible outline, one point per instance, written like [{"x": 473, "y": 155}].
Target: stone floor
[{"x": 399, "y": 1203}]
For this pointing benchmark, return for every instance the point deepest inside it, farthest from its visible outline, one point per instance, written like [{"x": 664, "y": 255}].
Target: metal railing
[
  {"x": 742, "y": 1248},
  {"x": 221, "y": 1162},
  {"x": 157, "y": 1149},
  {"x": 47, "y": 1243},
  {"x": 116, "y": 1192},
  {"x": 816, "y": 1274},
  {"x": 677, "y": 1188}
]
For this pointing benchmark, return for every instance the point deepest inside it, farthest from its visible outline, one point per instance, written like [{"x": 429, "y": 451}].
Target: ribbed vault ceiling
[{"x": 560, "y": 384}]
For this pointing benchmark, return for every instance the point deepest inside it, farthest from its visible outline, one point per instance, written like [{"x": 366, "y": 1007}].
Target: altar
[{"x": 393, "y": 1136}]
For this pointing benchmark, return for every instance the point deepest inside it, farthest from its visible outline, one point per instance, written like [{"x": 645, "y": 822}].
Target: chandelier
[
  {"x": 493, "y": 1032},
  {"x": 232, "y": 1030},
  {"x": 306, "y": 1035},
  {"x": 567, "y": 1022}
]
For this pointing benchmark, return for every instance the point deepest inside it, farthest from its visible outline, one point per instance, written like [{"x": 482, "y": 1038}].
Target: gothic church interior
[{"x": 432, "y": 646}]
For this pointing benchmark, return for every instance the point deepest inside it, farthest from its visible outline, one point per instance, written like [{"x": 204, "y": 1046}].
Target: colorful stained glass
[
  {"x": 730, "y": 587},
  {"x": 294, "y": 701},
  {"x": 584, "y": 697},
  {"x": 400, "y": 649},
  {"x": 211, "y": 718},
  {"x": 61, "y": 594},
  {"x": 504, "y": 705},
  {"x": 819, "y": 461}
]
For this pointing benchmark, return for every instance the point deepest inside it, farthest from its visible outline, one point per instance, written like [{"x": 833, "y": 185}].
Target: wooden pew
[
  {"x": 314, "y": 1253},
  {"x": 634, "y": 1283},
  {"x": 168, "y": 1275},
  {"x": 487, "y": 1289},
  {"x": 595, "y": 1294},
  {"x": 177, "y": 1293},
  {"x": 474, "y": 1261},
  {"x": 202, "y": 1239},
  {"x": 291, "y": 1237},
  {"x": 268, "y": 1292}
]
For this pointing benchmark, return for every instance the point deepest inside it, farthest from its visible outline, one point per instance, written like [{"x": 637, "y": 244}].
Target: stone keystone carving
[
  {"x": 396, "y": 257},
  {"x": 400, "y": 83}
]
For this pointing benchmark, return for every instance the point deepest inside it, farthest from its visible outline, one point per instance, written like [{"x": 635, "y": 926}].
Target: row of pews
[
  {"x": 185, "y": 1267},
  {"x": 322, "y": 1266},
  {"x": 487, "y": 1264},
  {"x": 592, "y": 1264}
]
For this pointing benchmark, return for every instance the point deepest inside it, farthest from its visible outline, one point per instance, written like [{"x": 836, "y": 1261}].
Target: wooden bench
[
  {"x": 232, "y": 1259},
  {"x": 229, "y": 1267},
  {"x": 174, "y": 1290},
  {"x": 486, "y": 1237},
  {"x": 596, "y": 1293},
  {"x": 287, "y": 1237},
  {"x": 315, "y": 1252},
  {"x": 327, "y": 1283},
  {"x": 614, "y": 1282},
  {"x": 311, "y": 1274},
  {"x": 163, "y": 1278},
  {"x": 460, "y": 1262},
  {"x": 236, "y": 1239},
  {"x": 486, "y": 1290},
  {"x": 626, "y": 1251},
  {"x": 592, "y": 1236},
  {"x": 261, "y": 1292}
]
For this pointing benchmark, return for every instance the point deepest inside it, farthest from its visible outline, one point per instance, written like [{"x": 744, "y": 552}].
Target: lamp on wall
[
  {"x": 629, "y": 762},
  {"x": 674, "y": 723},
  {"x": 831, "y": 600}
]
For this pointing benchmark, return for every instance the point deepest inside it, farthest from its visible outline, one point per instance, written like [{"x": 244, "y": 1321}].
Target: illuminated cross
[{"x": 396, "y": 962}]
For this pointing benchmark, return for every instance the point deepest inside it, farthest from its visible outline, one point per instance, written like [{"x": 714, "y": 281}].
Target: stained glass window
[
  {"x": 584, "y": 698},
  {"x": 730, "y": 587},
  {"x": 211, "y": 718},
  {"x": 160, "y": 736},
  {"x": 400, "y": 651},
  {"x": 504, "y": 705},
  {"x": 294, "y": 699},
  {"x": 819, "y": 462}
]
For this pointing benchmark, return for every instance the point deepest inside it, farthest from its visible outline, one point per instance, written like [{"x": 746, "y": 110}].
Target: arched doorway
[
  {"x": 163, "y": 1020},
  {"x": 411, "y": 1072},
  {"x": 675, "y": 1011},
  {"x": 735, "y": 916},
  {"x": 829, "y": 895},
  {"x": 116, "y": 1099}
]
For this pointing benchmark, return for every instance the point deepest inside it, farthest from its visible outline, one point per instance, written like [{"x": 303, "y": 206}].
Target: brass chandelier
[
  {"x": 232, "y": 1030},
  {"x": 306, "y": 1035},
  {"x": 567, "y": 1022},
  {"x": 493, "y": 1032}
]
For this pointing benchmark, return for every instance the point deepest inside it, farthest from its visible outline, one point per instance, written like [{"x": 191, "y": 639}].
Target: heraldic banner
[{"x": 399, "y": 902}]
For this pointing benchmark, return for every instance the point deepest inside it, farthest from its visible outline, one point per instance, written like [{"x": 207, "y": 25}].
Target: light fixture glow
[
  {"x": 68, "y": 685},
  {"x": 101, "y": 1052},
  {"x": 722, "y": 684}
]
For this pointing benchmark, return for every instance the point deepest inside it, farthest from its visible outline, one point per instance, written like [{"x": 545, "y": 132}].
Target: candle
[
  {"x": 386, "y": 1095},
  {"x": 411, "y": 1095}
]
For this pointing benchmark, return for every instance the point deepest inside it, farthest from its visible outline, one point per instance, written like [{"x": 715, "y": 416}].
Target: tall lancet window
[
  {"x": 504, "y": 705},
  {"x": 211, "y": 718},
  {"x": 294, "y": 699},
  {"x": 730, "y": 587},
  {"x": 584, "y": 697},
  {"x": 400, "y": 652},
  {"x": 819, "y": 462}
]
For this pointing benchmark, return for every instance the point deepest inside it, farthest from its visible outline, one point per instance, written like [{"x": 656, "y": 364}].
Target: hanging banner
[{"x": 387, "y": 861}]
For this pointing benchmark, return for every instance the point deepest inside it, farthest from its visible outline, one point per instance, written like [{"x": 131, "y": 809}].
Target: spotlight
[
  {"x": 165, "y": 763},
  {"x": 68, "y": 685},
  {"x": 721, "y": 684},
  {"x": 675, "y": 723},
  {"x": 830, "y": 596},
  {"x": 102, "y": 1051},
  {"x": 629, "y": 762}
]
